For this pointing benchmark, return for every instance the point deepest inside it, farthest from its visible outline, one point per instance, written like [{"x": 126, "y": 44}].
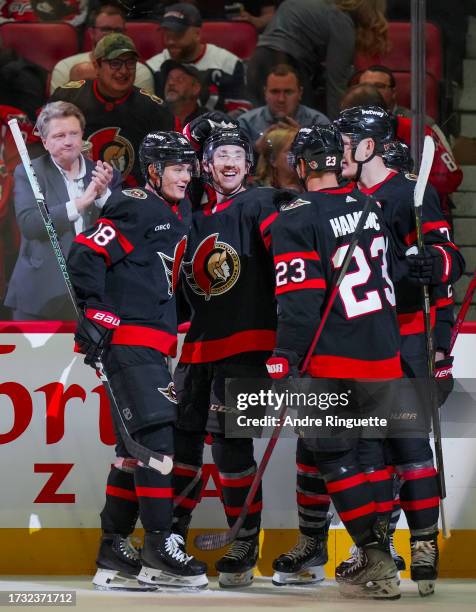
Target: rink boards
[{"x": 56, "y": 444}]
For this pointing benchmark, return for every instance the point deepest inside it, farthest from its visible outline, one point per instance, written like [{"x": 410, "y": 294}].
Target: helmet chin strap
[
  {"x": 157, "y": 188},
  {"x": 361, "y": 163}
]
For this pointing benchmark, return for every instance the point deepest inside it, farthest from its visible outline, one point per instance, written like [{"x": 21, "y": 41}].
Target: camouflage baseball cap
[{"x": 114, "y": 45}]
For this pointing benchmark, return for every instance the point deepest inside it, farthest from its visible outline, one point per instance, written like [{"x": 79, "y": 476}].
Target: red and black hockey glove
[
  {"x": 283, "y": 364},
  {"x": 427, "y": 268},
  {"x": 444, "y": 378},
  {"x": 94, "y": 332},
  {"x": 200, "y": 128}
]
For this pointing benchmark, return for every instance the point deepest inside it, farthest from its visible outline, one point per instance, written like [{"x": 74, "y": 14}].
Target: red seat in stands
[
  {"x": 399, "y": 57},
  {"x": 145, "y": 34},
  {"x": 404, "y": 92},
  {"x": 44, "y": 44},
  {"x": 239, "y": 37}
]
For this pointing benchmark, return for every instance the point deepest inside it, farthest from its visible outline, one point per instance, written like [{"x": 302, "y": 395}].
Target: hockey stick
[
  {"x": 425, "y": 167},
  {"x": 156, "y": 461},
  {"x": 213, "y": 541},
  {"x": 468, "y": 297}
]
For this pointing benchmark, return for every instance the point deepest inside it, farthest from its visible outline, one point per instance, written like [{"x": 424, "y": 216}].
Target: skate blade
[
  {"x": 161, "y": 578},
  {"x": 375, "y": 589},
  {"x": 309, "y": 575},
  {"x": 426, "y": 587},
  {"x": 233, "y": 580},
  {"x": 112, "y": 580}
]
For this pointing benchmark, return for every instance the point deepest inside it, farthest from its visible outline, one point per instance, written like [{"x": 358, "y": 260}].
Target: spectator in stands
[
  {"x": 445, "y": 175},
  {"x": 310, "y": 33},
  {"x": 75, "y": 189},
  {"x": 273, "y": 169},
  {"x": 383, "y": 79},
  {"x": 182, "y": 91},
  {"x": 107, "y": 20},
  {"x": 256, "y": 12},
  {"x": 222, "y": 72},
  {"x": 118, "y": 114},
  {"x": 39, "y": 10},
  {"x": 283, "y": 108}
]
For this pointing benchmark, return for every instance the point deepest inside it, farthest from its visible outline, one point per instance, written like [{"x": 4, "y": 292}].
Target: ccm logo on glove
[{"x": 106, "y": 319}]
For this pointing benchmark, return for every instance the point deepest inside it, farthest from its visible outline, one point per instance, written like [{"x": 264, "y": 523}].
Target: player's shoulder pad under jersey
[
  {"x": 294, "y": 204},
  {"x": 73, "y": 84},
  {"x": 135, "y": 192},
  {"x": 152, "y": 96}
]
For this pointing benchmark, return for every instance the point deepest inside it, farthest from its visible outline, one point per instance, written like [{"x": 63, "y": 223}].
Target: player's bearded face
[
  {"x": 349, "y": 166},
  {"x": 175, "y": 180},
  {"x": 64, "y": 140},
  {"x": 229, "y": 168}
]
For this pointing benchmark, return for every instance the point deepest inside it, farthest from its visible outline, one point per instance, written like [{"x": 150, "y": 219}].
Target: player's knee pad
[
  {"x": 158, "y": 438},
  {"x": 232, "y": 454}
]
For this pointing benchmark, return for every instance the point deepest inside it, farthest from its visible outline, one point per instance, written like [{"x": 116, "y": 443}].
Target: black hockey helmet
[
  {"x": 396, "y": 155},
  {"x": 160, "y": 148},
  {"x": 227, "y": 136},
  {"x": 321, "y": 147},
  {"x": 360, "y": 122}
]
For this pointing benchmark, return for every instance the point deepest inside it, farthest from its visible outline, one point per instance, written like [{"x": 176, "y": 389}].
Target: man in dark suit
[{"x": 75, "y": 189}]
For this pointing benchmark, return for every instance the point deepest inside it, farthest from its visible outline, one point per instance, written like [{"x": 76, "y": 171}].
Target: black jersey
[
  {"x": 309, "y": 241},
  {"x": 396, "y": 195},
  {"x": 116, "y": 128},
  {"x": 129, "y": 263},
  {"x": 229, "y": 279}
]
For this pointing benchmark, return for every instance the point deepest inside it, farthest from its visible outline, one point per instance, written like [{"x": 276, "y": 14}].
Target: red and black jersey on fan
[
  {"x": 116, "y": 127},
  {"x": 396, "y": 196},
  {"x": 309, "y": 241},
  {"x": 129, "y": 264},
  {"x": 229, "y": 279}
]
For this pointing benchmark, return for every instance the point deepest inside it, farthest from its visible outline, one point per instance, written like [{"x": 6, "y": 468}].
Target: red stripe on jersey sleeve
[
  {"x": 426, "y": 228},
  {"x": 94, "y": 247},
  {"x": 264, "y": 225},
  {"x": 446, "y": 262},
  {"x": 310, "y": 255},
  {"x": 330, "y": 366},
  {"x": 414, "y": 322},
  {"x": 442, "y": 302},
  {"x": 314, "y": 283},
  {"x": 126, "y": 246}
]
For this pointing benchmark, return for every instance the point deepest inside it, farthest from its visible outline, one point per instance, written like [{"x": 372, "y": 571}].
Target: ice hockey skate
[
  {"x": 372, "y": 574},
  {"x": 118, "y": 563},
  {"x": 424, "y": 565},
  {"x": 303, "y": 564},
  {"x": 165, "y": 562},
  {"x": 235, "y": 569},
  {"x": 399, "y": 560}
]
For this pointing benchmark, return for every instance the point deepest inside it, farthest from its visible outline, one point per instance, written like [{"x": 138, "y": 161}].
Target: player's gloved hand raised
[
  {"x": 427, "y": 268},
  {"x": 94, "y": 332},
  {"x": 444, "y": 378},
  {"x": 283, "y": 364},
  {"x": 200, "y": 128}
]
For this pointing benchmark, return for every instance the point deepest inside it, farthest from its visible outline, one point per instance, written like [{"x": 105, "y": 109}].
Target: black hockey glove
[
  {"x": 200, "y": 128},
  {"x": 444, "y": 378},
  {"x": 427, "y": 268},
  {"x": 94, "y": 332},
  {"x": 283, "y": 364}
]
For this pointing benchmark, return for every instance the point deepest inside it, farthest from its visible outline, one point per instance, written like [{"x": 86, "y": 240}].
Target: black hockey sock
[
  {"x": 187, "y": 481},
  {"x": 381, "y": 482},
  {"x": 234, "y": 459},
  {"x": 419, "y": 496},
  {"x": 155, "y": 495},
  {"x": 121, "y": 509},
  {"x": 312, "y": 498}
]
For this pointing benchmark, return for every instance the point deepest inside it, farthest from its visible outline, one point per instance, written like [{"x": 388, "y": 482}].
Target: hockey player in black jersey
[
  {"x": 365, "y": 131},
  {"x": 125, "y": 271},
  {"x": 229, "y": 285},
  {"x": 309, "y": 241}
]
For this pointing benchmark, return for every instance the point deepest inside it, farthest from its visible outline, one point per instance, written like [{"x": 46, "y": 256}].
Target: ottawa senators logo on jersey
[
  {"x": 214, "y": 269},
  {"x": 173, "y": 265},
  {"x": 169, "y": 392},
  {"x": 109, "y": 146}
]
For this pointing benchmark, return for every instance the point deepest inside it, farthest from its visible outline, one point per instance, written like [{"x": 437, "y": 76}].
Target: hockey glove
[
  {"x": 444, "y": 378},
  {"x": 94, "y": 332},
  {"x": 283, "y": 364},
  {"x": 200, "y": 128},
  {"x": 427, "y": 268}
]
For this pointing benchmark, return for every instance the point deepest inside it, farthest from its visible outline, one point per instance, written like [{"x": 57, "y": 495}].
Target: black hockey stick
[
  {"x": 156, "y": 461},
  {"x": 425, "y": 168},
  {"x": 213, "y": 541}
]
